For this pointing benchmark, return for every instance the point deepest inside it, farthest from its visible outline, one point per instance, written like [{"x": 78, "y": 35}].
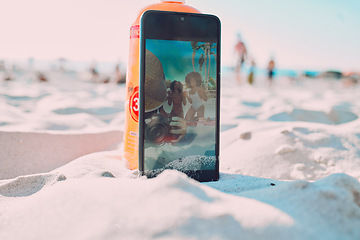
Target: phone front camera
[{"x": 182, "y": 19}]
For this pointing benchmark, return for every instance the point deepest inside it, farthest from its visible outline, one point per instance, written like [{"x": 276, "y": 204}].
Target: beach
[{"x": 289, "y": 164}]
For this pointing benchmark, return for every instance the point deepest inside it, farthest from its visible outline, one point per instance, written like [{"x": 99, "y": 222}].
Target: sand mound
[
  {"x": 335, "y": 116},
  {"x": 23, "y": 153},
  {"x": 79, "y": 201}
]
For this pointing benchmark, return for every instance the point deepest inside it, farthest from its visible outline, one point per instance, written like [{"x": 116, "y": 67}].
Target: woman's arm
[
  {"x": 202, "y": 94},
  {"x": 183, "y": 94},
  {"x": 170, "y": 98},
  {"x": 188, "y": 98}
]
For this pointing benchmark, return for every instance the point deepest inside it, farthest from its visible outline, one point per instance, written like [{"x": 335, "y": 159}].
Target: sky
[{"x": 298, "y": 34}]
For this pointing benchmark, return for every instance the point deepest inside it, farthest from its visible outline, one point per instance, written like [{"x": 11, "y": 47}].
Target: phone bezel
[{"x": 207, "y": 34}]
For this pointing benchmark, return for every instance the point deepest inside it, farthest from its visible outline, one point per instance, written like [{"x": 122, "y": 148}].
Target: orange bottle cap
[{"x": 173, "y": 1}]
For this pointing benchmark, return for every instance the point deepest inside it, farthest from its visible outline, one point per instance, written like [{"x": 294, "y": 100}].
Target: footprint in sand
[{"x": 335, "y": 116}]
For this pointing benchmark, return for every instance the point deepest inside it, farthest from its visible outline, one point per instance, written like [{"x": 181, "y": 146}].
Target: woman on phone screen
[{"x": 195, "y": 96}]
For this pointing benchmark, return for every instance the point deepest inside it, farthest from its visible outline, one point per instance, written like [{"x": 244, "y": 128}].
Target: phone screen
[{"x": 179, "y": 92}]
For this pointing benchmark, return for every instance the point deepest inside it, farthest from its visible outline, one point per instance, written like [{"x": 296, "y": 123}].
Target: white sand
[{"x": 290, "y": 166}]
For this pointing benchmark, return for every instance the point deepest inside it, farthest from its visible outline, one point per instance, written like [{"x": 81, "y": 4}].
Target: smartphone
[{"x": 179, "y": 92}]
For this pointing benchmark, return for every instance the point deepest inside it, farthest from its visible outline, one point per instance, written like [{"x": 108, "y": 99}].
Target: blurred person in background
[
  {"x": 251, "y": 72},
  {"x": 94, "y": 72},
  {"x": 241, "y": 52},
  {"x": 271, "y": 71}
]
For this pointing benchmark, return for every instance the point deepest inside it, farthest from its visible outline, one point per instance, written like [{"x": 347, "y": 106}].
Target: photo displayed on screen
[{"x": 180, "y": 105}]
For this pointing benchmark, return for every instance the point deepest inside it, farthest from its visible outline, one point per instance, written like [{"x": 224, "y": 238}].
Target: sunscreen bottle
[{"x": 132, "y": 80}]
